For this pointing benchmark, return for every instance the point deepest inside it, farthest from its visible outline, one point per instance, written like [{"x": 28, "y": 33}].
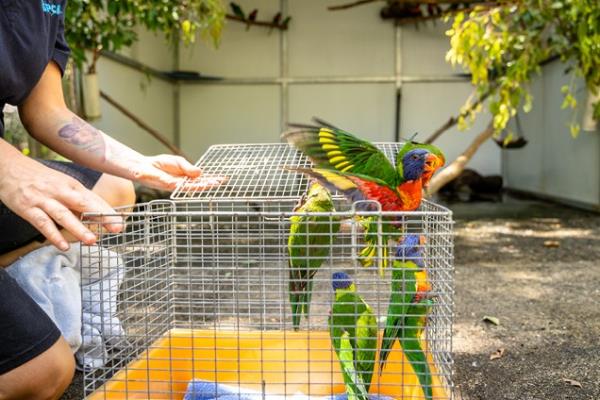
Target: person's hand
[
  {"x": 166, "y": 172},
  {"x": 47, "y": 199}
]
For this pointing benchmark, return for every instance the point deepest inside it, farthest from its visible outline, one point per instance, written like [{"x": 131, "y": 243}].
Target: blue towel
[{"x": 205, "y": 390}]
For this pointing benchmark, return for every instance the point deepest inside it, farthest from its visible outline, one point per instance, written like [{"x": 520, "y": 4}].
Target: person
[{"x": 47, "y": 197}]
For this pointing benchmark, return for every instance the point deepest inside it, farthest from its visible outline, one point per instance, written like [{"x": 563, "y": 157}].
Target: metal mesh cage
[
  {"x": 193, "y": 300},
  {"x": 255, "y": 171}
]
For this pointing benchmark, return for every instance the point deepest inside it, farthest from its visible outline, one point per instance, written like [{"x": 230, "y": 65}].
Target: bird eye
[{"x": 415, "y": 156}]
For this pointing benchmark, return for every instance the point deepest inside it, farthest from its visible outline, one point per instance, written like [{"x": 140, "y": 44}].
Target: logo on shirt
[{"x": 50, "y": 8}]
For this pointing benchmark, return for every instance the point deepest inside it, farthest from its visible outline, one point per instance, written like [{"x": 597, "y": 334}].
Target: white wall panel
[
  {"x": 424, "y": 50},
  {"x": 152, "y": 101},
  {"x": 366, "y": 110},
  {"x": 339, "y": 43},
  {"x": 571, "y": 167},
  {"x": 242, "y": 53},
  {"x": 152, "y": 49},
  {"x": 523, "y": 168},
  {"x": 554, "y": 163},
  {"x": 228, "y": 114},
  {"x": 426, "y": 106}
]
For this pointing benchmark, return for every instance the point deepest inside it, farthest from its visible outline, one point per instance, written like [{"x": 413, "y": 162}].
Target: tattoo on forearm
[{"x": 84, "y": 136}]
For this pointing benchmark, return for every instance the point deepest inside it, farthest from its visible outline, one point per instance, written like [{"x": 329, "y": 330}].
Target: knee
[
  {"x": 116, "y": 191},
  {"x": 58, "y": 377},
  {"x": 45, "y": 377}
]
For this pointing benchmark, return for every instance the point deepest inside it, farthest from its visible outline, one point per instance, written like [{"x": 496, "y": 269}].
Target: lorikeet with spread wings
[
  {"x": 353, "y": 330},
  {"x": 360, "y": 171},
  {"x": 408, "y": 308},
  {"x": 308, "y": 246}
]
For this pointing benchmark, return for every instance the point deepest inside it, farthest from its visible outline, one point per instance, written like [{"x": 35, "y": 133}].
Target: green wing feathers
[
  {"x": 355, "y": 387},
  {"x": 352, "y": 316},
  {"x": 366, "y": 343},
  {"x": 344, "y": 152},
  {"x": 415, "y": 322},
  {"x": 308, "y": 247},
  {"x": 403, "y": 290}
]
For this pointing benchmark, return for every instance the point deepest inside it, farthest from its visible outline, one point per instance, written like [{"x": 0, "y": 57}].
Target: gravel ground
[
  {"x": 535, "y": 267},
  {"x": 540, "y": 276}
]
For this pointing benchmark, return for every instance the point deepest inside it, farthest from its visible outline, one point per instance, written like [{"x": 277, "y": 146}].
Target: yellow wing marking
[
  {"x": 347, "y": 168},
  {"x": 326, "y": 140},
  {"x": 326, "y": 134},
  {"x": 338, "y": 159},
  {"x": 334, "y": 153},
  {"x": 339, "y": 181},
  {"x": 342, "y": 164},
  {"x": 330, "y": 147}
]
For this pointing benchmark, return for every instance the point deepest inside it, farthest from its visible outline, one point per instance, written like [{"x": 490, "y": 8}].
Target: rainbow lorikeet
[
  {"x": 353, "y": 330},
  {"x": 308, "y": 246},
  {"x": 360, "y": 171},
  {"x": 408, "y": 308}
]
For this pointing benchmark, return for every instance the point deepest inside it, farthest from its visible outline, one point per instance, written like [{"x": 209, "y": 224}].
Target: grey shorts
[{"x": 15, "y": 232}]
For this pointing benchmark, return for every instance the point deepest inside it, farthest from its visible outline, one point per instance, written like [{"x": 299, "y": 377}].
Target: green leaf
[
  {"x": 491, "y": 320},
  {"x": 574, "y": 128}
]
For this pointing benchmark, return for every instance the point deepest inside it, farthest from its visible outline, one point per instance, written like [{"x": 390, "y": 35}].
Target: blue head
[
  {"x": 341, "y": 280},
  {"x": 415, "y": 162},
  {"x": 410, "y": 250}
]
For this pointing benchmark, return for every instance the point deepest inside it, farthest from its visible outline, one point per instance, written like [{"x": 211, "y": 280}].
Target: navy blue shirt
[{"x": 31, "y": 35}]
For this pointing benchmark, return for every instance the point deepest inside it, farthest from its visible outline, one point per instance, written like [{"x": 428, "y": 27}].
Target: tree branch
[
  {"x": 157, "y": 135},
  {"x": 362, "y": 2},
  {"x": 454, "y": 120},
  {"x": 258, "y": 23},
  {"x": 457, "y": 166},
  {"x": 350, "y": 5}
]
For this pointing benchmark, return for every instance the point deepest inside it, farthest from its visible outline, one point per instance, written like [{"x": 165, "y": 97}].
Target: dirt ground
[{"x": 536, "y": 268}]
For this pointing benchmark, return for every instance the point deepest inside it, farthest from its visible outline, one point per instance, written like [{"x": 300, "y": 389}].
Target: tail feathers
[
  {"x": 300, "y": 297},
  {"x": 386, "y": 346},
  {"x": 295, "y": 304},
  {"x": 418, "y": 360},
  {"x": 368, "y": 254}
]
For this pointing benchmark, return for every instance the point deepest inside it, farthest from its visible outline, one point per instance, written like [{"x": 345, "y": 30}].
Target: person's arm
[
  {"x": 48, "y": 120},
  {"x": 43, "y": 197}
]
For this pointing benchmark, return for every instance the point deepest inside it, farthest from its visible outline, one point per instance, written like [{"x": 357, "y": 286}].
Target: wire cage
[{"x": 193, "y": 299}]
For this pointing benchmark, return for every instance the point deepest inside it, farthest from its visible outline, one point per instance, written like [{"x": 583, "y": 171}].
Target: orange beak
[{"x": 432, "y": 164}]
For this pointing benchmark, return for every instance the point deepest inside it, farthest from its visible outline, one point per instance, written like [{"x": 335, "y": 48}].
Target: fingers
[
  {"x": 82, "y": 200},
  {"x": 204, "y": 183},
  {"x": 188, "y": 169},
  {"x": 66, "y": 219},
  {"x": 176, "y": 165},
  {"x": 44, "y": 224}
]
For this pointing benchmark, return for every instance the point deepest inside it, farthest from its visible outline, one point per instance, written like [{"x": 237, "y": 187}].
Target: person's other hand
[
  {"x": 166, "y": 172},
  {"x": 47, "y": 199}
]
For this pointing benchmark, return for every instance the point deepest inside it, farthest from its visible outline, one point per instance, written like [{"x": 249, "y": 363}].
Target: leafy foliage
[
  {"x": 505, "y": 43},
  {"x": 94, "y": 25}
]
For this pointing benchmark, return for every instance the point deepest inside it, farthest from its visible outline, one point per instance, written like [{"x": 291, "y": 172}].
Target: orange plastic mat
[{"x": 280, "y": 363}]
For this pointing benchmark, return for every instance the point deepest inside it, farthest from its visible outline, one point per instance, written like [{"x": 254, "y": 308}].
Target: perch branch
[
  {"x": 454, "y": 120},
  {"x": 362, "y": 2},
  {"x": 350, "y": 5},
  {"x": 157, "y": 135},
  {"x": 457, "y": 166},
  {"x": 258, "y": 23},
  {"x": 446, "y": 13}
]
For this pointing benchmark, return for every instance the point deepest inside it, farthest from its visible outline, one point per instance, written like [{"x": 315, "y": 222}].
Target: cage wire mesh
[{"x": 192, "y": 300}]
